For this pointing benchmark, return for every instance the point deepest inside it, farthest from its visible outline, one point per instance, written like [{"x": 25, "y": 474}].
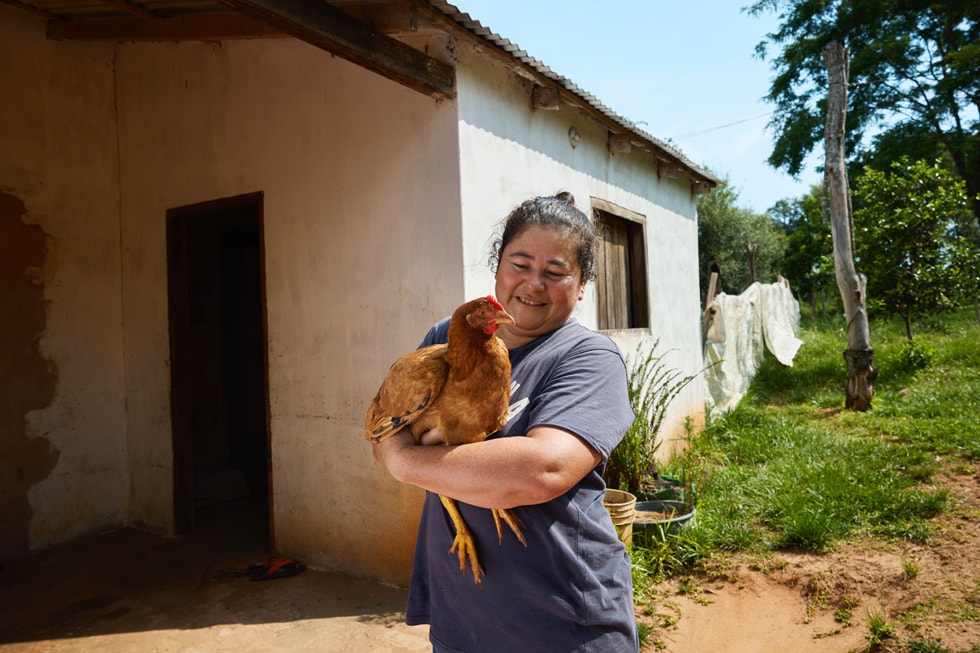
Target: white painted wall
[{"x": 510, "y": 152}]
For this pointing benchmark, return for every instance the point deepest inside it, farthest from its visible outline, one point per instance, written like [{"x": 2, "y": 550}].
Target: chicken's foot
[
  {"x": 512, "y": 520},
  {"x": 464, "y": 545}
]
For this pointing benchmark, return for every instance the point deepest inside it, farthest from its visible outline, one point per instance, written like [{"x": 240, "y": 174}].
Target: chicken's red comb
[{"x": 493, "y": 300}]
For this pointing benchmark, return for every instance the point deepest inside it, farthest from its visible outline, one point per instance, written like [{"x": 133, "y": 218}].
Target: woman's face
[{"x": 538, "y": 282}]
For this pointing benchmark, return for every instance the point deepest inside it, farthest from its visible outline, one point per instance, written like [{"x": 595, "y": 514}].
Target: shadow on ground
[{"x": 129, "y": 590}]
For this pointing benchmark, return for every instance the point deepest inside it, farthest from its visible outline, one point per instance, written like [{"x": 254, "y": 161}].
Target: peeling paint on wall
[{"x": 27, "y": 379}]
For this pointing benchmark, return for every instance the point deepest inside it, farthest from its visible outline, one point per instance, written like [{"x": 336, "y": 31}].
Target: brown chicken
[{"x": 460, "y": 389}]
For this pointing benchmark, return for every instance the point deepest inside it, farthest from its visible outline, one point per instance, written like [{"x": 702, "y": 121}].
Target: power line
[{"x": 731, "y": 124}]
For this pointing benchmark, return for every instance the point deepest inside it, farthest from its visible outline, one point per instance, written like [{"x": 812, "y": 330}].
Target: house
[{"x": 221, "y": 221}]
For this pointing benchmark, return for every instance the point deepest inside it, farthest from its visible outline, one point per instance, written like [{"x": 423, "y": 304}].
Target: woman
[{"x": 569, "y": 589}]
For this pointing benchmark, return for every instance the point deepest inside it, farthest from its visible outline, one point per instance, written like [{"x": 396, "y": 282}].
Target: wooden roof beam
[
  {"x": 131, "y": 8},
  {"x": 208, "y": 27},
  {"x": 618, "y": 143},
  {"x": 335, "y": 31}
]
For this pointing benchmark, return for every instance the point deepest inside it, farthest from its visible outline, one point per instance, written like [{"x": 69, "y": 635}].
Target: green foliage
[
  {"x": 906, "y": 238},
  {"x": 925, "y": 646},
  {"x": 878, "y": 628},
  {"x": 724, "y": 231},
  {"x": 910, "y": 569},
  {"x": 789, "y": 468},
  {"x": 652, "y": 386},
  {"x": 808, "y": 243},
  {"x": 914, "y": 356},
  {"x": 914, "y": 72}
]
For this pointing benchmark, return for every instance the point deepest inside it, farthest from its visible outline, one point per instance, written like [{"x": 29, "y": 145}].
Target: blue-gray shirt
[{"x": 570, "y": 589}]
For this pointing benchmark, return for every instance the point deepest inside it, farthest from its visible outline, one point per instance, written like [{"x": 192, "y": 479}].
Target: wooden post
[
  {"x": 859, "y": 389},
  {"x": 752, "y": 250},
  {"x": 709, "y": 307}
]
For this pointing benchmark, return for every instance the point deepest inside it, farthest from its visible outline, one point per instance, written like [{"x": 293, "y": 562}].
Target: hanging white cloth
[{"x": 743, "y": 325}]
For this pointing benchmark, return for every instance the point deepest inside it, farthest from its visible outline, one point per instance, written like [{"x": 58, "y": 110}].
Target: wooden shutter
[
  {"x": 613, "y": 278},
  {"x": 621, "y": 278}
]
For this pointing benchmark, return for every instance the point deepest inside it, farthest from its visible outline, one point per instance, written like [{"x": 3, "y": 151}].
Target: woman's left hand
[{"x": 386, "y": 451}]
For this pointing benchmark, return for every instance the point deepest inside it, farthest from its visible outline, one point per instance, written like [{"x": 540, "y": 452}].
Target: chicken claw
[
  {"x": 464, "y": 545},
  {"x": 512, "y": 520}
]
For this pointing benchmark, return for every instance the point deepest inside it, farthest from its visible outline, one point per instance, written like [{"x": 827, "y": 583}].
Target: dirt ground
[
  {"x": 809, "y": 603},
  {"x": 131, "y": 591}
]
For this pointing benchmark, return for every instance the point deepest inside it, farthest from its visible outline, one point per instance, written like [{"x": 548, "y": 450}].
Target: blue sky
[{"x": 680, "y": 70}]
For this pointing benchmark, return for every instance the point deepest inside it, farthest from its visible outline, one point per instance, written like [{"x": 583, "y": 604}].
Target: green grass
[{"x": 790, "y": 468}]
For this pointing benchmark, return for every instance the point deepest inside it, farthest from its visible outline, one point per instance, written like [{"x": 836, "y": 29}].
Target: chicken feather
[{"x": 460, "y": 390}]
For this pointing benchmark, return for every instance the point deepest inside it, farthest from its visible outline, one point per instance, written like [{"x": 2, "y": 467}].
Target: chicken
[{"x": 460, "y": 391}]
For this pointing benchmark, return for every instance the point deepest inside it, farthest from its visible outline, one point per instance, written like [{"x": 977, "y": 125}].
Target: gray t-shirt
[{"x": 570, "y": 589}]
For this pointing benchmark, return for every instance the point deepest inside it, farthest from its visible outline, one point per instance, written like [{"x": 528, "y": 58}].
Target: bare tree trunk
[
  {"x": 859, "y": 390},
  {"x": 752, "y": 250}
]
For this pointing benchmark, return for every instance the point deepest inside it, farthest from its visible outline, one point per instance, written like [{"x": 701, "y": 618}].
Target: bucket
[
  {"x": 674, "y": 516},
  {"x": 621, "y": 506}
]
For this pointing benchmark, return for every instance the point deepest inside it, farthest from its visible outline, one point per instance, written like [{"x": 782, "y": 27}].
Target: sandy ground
[
  {"x": 793, "y": 601},
  {"x": 130, "y": 591}
]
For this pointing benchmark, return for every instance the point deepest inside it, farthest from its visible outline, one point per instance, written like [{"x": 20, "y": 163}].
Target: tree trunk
[
  {"x": 752, "y": 250},
  {"x": 859, "y": 389}
]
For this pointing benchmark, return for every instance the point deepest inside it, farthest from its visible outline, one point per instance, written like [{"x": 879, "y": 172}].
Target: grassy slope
[{"x": 789, "y": 467}]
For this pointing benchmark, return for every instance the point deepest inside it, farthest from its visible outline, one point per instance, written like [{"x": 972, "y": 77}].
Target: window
[{"x": 621, "y": 269}]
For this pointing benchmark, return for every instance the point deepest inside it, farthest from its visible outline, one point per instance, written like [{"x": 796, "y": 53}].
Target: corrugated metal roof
[{"x": 474, "y": 26}]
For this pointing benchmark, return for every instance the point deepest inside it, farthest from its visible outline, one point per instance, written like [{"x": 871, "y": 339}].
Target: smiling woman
[
  {"x": 567, "y": 586},
  {"x": 543, "y": 259}
]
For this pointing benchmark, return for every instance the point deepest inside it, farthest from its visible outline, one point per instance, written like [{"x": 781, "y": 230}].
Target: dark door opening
[{"x": 218, "y": 362}]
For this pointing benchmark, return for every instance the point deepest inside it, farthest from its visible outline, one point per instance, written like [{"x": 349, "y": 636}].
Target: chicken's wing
[{"x": 412, "y": 384}]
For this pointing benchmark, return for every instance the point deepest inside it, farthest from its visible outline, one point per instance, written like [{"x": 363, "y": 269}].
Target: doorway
[{"x": 218, "y": 363}]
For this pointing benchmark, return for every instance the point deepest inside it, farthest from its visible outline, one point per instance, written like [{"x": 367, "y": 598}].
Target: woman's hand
[
  {"x": 432, "y": 436},
  {"x": 386, "y": 452}
]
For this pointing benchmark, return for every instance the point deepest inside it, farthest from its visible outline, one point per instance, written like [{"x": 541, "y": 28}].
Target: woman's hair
[{"x": 557, "y": 213}]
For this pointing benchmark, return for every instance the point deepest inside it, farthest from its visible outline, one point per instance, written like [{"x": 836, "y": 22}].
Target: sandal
[{"x": 275, "y": 567}]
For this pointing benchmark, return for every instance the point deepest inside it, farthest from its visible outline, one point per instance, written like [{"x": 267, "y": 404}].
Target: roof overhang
[{"x": 403, "y": 40}]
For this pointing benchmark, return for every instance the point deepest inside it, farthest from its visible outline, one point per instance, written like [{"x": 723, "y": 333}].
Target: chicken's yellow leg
[
  {"x": 464, "y": 544},
  {"x": 512, "y": 520}
]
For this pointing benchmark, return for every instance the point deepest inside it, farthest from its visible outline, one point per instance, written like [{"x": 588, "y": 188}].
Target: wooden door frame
[{"x": 179, "y": 318}]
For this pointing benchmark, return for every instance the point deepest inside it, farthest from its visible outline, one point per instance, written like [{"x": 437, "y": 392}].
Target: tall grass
[
  {"x": 652, "y": 386},
  {"x": 789, "y": 467}
]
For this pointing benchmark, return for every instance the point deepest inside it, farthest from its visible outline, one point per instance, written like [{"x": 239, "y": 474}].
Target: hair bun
[{"x": 565, "y": 196}]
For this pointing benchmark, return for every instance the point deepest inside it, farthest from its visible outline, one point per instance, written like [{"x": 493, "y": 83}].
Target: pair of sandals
[{"x": 274, "y": 567}]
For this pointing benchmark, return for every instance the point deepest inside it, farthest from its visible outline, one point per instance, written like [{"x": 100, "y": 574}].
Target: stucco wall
[
  {"x": 362, "y": 252},
  {"x": 510, "y": 152},
  {"x": 361, "y": 255},
  {"x": 62, "y": 436}
]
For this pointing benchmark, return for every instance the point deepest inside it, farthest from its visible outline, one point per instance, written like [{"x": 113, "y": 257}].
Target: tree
[
  {"x": 724, "y": 232},
  {"x": 808, "y": 244},
  {"x": 861, "y": 374},
  {"x": 914, "y": 79},
  {"x": 910, "y": 234}
]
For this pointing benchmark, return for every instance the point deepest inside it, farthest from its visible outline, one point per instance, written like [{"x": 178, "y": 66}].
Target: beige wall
[
  {"x": 66, "y": 438},
  {"x": 362, "y": 255},
  {"x": 365, "y": 243},
  {"x": 510, "y": 152}
]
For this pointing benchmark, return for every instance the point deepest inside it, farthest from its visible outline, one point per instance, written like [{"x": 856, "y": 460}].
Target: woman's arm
[{"x": 498, "y": 473}]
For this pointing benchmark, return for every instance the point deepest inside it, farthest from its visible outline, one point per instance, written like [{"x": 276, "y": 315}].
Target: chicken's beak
[{"x": 503, "y": 317}]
